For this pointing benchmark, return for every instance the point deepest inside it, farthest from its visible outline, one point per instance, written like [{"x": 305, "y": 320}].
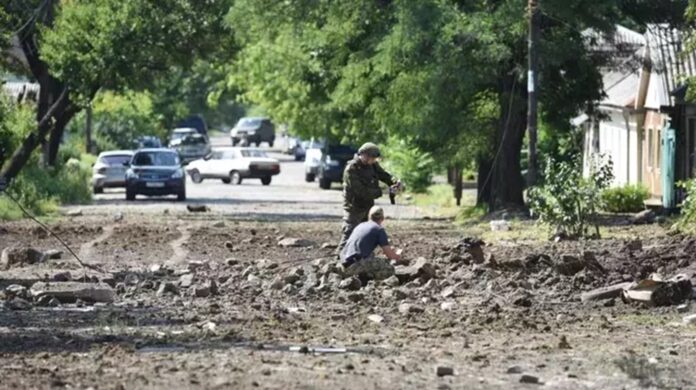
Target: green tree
[{"x": 75, "y": 48}]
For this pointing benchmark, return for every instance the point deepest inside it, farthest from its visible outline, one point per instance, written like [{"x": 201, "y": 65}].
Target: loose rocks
[
  {"x": 351, "y": 283},
  {"x": 421, "y": 269},
  {"x": 444, "y": 371},
  {"x": 20, "y": 256},
  {"x": 73, "y": 291},
  {"x": 295, "y": 242}
]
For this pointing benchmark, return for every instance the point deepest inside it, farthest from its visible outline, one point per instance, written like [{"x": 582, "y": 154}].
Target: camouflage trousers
[
  {"x": 371, "y": 268},
  {"x": 351, "y": 219}
]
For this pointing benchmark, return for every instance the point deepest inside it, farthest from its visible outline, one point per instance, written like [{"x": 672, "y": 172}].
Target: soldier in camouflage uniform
[{"x": 361, "y": 187}]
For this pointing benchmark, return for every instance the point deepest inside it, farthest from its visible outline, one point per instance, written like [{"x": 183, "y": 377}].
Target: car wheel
[
  {"x": 270, "y": 144},
  {"x": 309, "y": 177},
  {"x": 181, "y": 196},
  {"x": 324, "y": 183},
  {"x": 130, "y": 195},
  {"x": 98, "y": 190},
  {"x": 226, "y": 180},
  {"x": 235, "y": 177},
  {"x": 234, "y": 142},
  {"x": 196, "y": 176},
  {"x": 266, "y": 180},
  {"x": 258, "y": 143}
]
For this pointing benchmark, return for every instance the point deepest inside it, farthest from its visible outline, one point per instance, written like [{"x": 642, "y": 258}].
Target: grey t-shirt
[{"x": 365, "y": 238}]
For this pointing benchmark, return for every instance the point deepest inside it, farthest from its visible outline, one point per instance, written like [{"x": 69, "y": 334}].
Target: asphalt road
[{"x": 288, "y": 197}]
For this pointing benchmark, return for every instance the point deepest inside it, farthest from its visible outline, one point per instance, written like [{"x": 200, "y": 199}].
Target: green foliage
[
  {"x": 114, "y": 44},
  {"x": 16, "y": 121},
  {"x": 568, "y": 202},
  {"x": 687, "y": 218},
  {"x": 120, "y": 118},
  {"x": 625, "y": 199},
  {"x": 413, "y": 167}
]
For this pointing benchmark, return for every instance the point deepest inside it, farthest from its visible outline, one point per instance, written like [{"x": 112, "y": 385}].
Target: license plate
[{"x": 154, "y": 184}]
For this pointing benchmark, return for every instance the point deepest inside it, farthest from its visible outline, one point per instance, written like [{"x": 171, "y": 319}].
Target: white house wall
[{"x": 616, "y": 143}]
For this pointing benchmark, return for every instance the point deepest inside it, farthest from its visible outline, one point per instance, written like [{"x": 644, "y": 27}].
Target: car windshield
[
  {"x": 182, "y": 134},
  {"x": 156, "y": 159},
  {"x": 250, "y": 121},
  {"x": 193, "y": 140},
  {"x": 115, "y": 159},
  {"x": 253, "y": 153}
]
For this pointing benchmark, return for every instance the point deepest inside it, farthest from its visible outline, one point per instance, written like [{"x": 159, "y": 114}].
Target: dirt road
[{"x": 216, "y": 300}]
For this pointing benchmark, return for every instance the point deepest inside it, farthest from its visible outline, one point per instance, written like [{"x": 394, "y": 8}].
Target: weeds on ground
[{"x": 647, "y": 374}]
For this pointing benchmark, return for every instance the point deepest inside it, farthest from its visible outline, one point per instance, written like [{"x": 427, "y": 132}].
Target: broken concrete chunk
[
  {"x": 16, "y": 290},
  {"x": 351, "y": 284},
  {"x": 407, "y": 308},
  {"x": 53, "y": 254},
  {"x": 17, "y": 303},
  {"x": 376, "y": 318},
  {"x": 609, "y": 292},
  {"x": 19, "y": 256},
  {"x": 186, "y": 281},
  {"x": 197, "y": 208},
  {"x": 658, "y": 292},
  {"x": 295, "y": 242},
  {"x": 444, "y": 371},
  {"x": 167, "y": 287},
  {"x": 73, "y": 291},
  {"x": 500, "y": 226},
  {"x": 421, "y": 269}
]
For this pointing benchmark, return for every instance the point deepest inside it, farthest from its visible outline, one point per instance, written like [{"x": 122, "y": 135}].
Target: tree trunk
[
  {"x": 500, "y": 182},
  {"x": 56, "y": 134}
]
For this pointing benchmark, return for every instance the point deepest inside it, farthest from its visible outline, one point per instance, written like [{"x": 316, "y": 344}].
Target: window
[
  {"x": 156, "y": 159},
  {"x": 651, "y": 148},
  {"x": 658, "y": 162},
  {"x": 116, "y": 159},
  {"x": 253, "y": 153}
]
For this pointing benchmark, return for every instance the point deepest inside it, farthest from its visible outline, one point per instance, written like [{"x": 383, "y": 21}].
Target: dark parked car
[
  {"x": 190, "y": 144},
  {"x": 254, "y": 130},
  {"x": 155, "y": 172},
  {"x": 332, "y": 164}
]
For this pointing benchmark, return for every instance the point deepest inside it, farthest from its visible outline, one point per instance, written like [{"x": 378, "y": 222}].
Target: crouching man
[{"x": 357, "y": 256}]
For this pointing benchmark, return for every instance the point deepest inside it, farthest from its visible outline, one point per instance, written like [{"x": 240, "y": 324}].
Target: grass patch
[{"x": 438, "y": 201}]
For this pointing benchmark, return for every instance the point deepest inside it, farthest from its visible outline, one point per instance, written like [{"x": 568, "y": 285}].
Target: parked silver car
[{"x": 109, "y": 171}]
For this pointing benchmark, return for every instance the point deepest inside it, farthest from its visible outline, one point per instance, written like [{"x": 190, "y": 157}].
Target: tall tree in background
[{"x": 75, "y": 48}]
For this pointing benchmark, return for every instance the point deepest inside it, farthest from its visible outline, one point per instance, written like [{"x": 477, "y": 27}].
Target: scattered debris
[
  {"x": 609, "y": 292},
  {"x": 444, "y": 371},
  {"x": 53, "y": 254},
  {"x": 514, "y": 370},
  {"x": 690, "y": 319},
  {"x": 563, "y": 343},
  {"x": 118, "y": 216},
  {"x": 68, "y": 292},
  {"x": 167, "y": 287},
  {"x": 633, "y": 246},
  {"x": 17, "y": 303},
  {"x": 448, "y": 306},
  {"x": 186, "y": 281},
  {"x": 328, "y": 245},
  {"x": 20, "y": 256},
  {"x": 376, "y": 318},
  {"x": 407, "y": 308},
  {"x": 530, "y": 379},
  {"x": 197, "y": 208},
  {"x": 295, "y": 243},
  {"x": 219, "y": 224},
  {"x": 422, "y": 270},
  {"x": 643, "y": 217},
  {"x": 351, "y": 283},
  {"x": 658, "y": 292}
]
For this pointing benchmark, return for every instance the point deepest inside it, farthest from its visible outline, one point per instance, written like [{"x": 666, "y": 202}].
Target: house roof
[{"x": 670, "y": 64}]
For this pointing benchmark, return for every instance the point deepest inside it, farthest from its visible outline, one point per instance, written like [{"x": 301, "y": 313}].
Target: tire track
[
  {"x": 180, "y": 253},
  {"x": 87, "y": 249}
]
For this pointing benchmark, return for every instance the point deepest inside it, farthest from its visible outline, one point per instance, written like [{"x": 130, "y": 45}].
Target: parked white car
[
  {"x": 109, "y": 171},
  {"x": 314, "y": 151},
  {"x": 232, "y": 165}
]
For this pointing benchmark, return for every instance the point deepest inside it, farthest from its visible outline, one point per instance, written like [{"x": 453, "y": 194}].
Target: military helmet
[{"x": 369, "y": 149}]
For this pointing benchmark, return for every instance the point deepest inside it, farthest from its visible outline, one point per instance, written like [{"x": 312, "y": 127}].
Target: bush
[
  {"x": 626, "y": 199},
  {"x": 413, "y": 167},
  {"x": 687, "y": 217},
  {"x": 568, "y": 202}
]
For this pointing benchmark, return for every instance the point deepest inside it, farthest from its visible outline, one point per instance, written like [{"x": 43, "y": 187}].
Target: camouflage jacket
[{"x": 361, "y": 184}]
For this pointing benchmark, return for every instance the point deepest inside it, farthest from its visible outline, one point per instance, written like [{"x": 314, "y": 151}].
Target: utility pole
[{"x": 532, "y": 78}]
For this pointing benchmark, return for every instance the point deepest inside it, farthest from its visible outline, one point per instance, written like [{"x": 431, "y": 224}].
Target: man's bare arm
[{"x": 391, "y": 253}]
